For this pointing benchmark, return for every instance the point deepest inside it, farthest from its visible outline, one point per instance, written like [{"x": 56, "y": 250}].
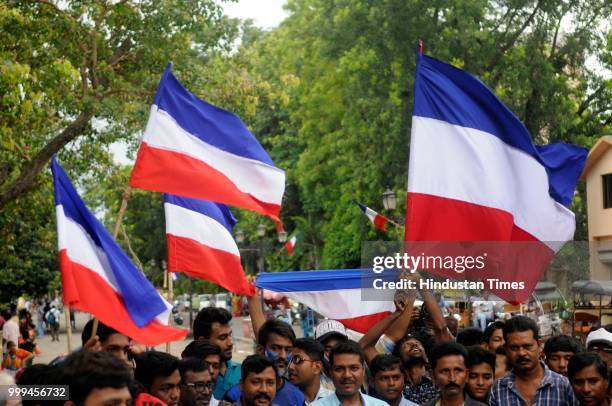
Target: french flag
[
  {"x": 335, "y": 294},
  {"x": 99, "y": 278},
  {"x": 475, "y": 175},
  {"x": 194, "y": 149},
  {"x": 200, "y": 243},
  {"x": 377, "y": 219},
  {"x": 290, "y": 245}
]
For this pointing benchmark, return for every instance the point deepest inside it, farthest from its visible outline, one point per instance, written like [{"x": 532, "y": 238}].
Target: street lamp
[
  {"x": 261, "y": 230},
  {"x": 239, "y": 236},
  {"x": 282, "y": 237},
  {"x": 389, "y": 200}
]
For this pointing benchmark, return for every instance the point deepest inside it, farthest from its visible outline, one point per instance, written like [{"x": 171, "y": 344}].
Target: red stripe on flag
[
  {"x": 204, "y": 262},
  {"x": 363, "y": 323}
]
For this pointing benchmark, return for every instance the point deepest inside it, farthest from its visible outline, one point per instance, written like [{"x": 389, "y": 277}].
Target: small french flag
[
  {"x": 290, "y": 245},
  {"x": 377, "y": 219}
]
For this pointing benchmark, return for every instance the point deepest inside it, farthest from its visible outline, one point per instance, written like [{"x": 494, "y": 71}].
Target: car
[
  {"x": 205, "y": 300},
  {"x": 223, "y": 301}
]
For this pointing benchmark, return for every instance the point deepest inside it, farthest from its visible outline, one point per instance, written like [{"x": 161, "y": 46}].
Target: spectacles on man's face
[
  {"x": 297, "y": 360},
  {"x": 601, "y": 347},
  {"x": 199, "y": 386}
]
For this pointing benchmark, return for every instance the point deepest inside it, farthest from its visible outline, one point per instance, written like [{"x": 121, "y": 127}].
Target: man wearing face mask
[{"x": 275, "y": 341}]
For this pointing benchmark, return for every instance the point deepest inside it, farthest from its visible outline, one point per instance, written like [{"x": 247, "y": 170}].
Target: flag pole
[
  {"x": 68, "y": 328},
  {"x": 170, "y": 294},
  {"x": 122, "y": 209}
]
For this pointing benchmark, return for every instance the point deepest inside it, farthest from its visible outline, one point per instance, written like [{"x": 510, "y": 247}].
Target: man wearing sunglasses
[
  {"x": 196, "y": 382},
  {"x": 600, "y": 341},
  {"x": 306, "y": 368}
]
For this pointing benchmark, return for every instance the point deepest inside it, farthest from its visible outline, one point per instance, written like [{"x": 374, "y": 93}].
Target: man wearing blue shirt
[{"x": 347, "y": 371}]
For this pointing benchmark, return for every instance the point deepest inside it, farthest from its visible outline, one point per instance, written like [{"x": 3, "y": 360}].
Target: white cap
[
  {"x": 599, "y": 336},
  {"x": 328, "y": 328}
]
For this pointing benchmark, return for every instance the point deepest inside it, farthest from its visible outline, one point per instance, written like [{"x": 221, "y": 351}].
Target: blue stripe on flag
[
  {"x": 217, "y": 211},
  {"x": 305, "y": 281},
  {"x": 449, "y": 94},
  {"x": 209, "y": 123}
]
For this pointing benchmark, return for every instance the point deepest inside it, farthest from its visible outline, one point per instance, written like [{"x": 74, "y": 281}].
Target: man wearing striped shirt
[{"x": 530, "y": 383}]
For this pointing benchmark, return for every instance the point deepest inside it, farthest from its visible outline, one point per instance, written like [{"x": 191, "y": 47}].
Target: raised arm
[
  {"x": 368, "y": 341},
  {"x": 441, "y": 331},
  {"x": 256, "y": 312}
]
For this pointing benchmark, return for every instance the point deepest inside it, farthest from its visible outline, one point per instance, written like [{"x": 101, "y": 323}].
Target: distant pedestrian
[
  {"x": 10, "y": 330},
  {"x": 53, "y": 316},
  {"x": 40, "y": 320}
]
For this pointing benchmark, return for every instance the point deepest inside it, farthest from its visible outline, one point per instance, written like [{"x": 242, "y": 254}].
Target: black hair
[
  {"x": 85, "y": 371},
  {"x": 151, "y": 364},
  {"x": 256, "y": 363},
  {"x": 103, "y": 331},
  {"x": 478, "y": 355},
  {"x": 488, "y": 332},
  {"x": 202, "y": 325},
  {"x": 444, "y": 350},
  {"x": 421, "y": 336},
  {"x": 192, "y": 364},
  {"x": 501, "y": 351},
  {"x": 200, "y": 349},
  {"x": 274, "y": 326},
  {"x": 469, "y": 336},
  {"x": 311, "y": 347},
  {"x": 385, "y": 362},
  {"x": 561, "y": 343},
  {"x": 518, "y": 324},
  {"x": 38, "y": 374},
  {"x": 346, "y": 347},
  {"x": 583, "y": 360}
]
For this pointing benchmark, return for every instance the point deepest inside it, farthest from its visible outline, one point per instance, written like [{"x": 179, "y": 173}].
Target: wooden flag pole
[
  {"x": 122, "y": 209},
  {"x": 170, "y": 294},
  {"x": 68, "y": 328}
]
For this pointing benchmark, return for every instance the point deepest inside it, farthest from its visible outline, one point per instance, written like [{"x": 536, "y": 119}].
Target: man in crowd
[
  {"x": 53, "y": 316},
  {"x": 558, "y": 351},
  {"x": 306, "y": 369},
  {"x": 470, "y": 337},
  {"x": 388, "y": 380},
  {"x": 590, "y": 379},
  {"x": 448, "y": 363},
  {"x": 215, "y": 324},
  {"x": 493, "y": 336},
  {"x": 600, "y": 341},
  {"x": 95, "y": 378},
  {"x": 107, "y": 339},
  {"x": 10, "y": 329},
  {"x": 159, "y": 373},
  {"x": 258, "y": 382},
  {"x": 347, "y": 371},
  {"x": 275, "y": 340},
  {"x": 196, "y": 383},
  {"x": 208, "y": 352},
  {"x": 418, "y": 388},
  {"x": 530, "y": 381},
  {"x": 329, "y": 333},
  {"x": 481, "y": 374}
]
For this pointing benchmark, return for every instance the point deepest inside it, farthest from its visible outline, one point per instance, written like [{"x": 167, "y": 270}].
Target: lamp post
[
  {"x": 390, "y": 204},
  {"x": 260, "y": 247}
]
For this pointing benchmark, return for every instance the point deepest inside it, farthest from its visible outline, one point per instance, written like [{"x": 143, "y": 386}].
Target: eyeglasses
[
  {"x": 297, "y": 360},
  {"x": 199, "y": 386}
]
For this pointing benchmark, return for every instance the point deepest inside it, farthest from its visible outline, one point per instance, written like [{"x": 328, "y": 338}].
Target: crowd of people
[{"x": 408, "y": 358}]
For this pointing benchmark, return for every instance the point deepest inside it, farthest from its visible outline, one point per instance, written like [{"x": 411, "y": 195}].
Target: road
[{"x": 243, "y": 343}]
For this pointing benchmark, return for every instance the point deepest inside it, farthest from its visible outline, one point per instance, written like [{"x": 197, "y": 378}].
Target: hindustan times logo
[{"x": 459, "y": 263}]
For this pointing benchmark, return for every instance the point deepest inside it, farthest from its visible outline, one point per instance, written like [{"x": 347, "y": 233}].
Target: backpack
[{"x": 51, "y": 317}]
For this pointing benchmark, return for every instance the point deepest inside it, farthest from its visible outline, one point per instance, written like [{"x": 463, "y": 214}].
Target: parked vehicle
[{"x": 206, "y": 300}]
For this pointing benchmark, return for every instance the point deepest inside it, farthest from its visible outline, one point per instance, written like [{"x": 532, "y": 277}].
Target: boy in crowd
[
  {"x": 470, "y": 337},
  {"x": 530, "y": 381},
  {"x": 501, "y": 363},
  {"x": 419, "y": 388},
  {"x": 600, "y": 341},
  {"x": 590, "y": 379},
  {"x": 558, "y": 351},
  {"x": 107, "y": 339},
  {"x": 347, "y": 371},
  {"x": 388, "y": 380},
  {"x": 481, "y": 373},
  {"x": 215, "y": 324},
  {"x": 208, "y": 352},
  {"x": 493, "y": 336},
  {"x": 196, "y": 383},
  {"x": 159, "y": 373},
  {"x": 306, "y": 369},
  {"x": 95, "y": 378},
  {"x": 258, "y": 382},
  {"x": 329, "y": 333},
  {"x": 448, "y": 363},
  {"x": 275, "y": 341}
]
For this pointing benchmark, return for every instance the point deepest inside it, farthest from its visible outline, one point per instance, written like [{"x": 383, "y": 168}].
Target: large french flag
[
  {"x": 335, "y": 294},
  {"x": 99, "y": 278},
  {"x": 475, "y": 175},
  {"x": 194, "y": 149},
  {"x": 200, "y": 243}
]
